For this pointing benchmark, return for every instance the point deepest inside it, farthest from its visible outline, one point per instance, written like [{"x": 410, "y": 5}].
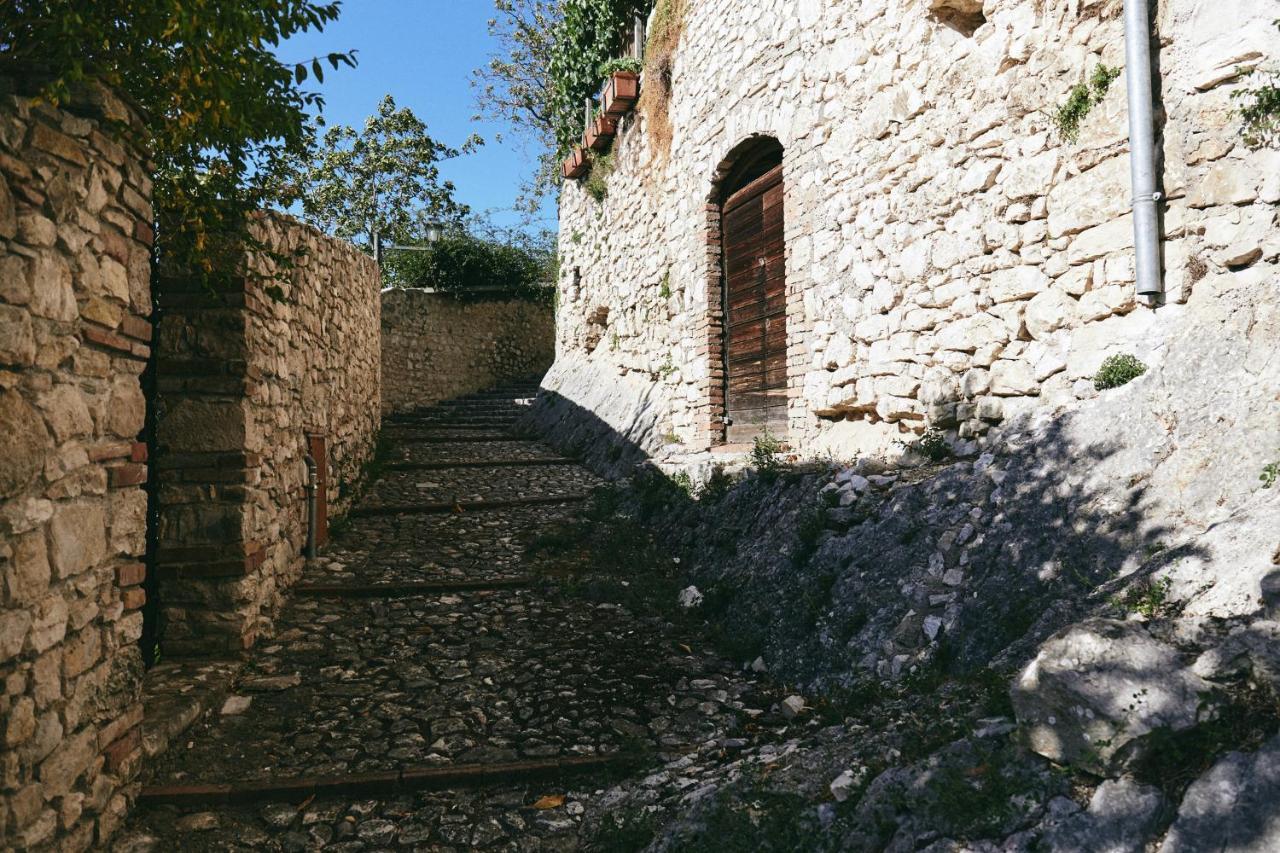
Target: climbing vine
[{"x": 589, "y": 34}]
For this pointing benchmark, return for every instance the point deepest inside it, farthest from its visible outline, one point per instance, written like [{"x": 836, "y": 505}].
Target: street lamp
[{"x": 433, "y": 231}]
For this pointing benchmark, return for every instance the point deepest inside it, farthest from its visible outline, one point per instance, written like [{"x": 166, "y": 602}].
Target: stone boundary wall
[
  {"x": 951, "y": 260},
  {"x": 435, "y": 347},
  {"x": 245, "y": 377},
  {"x": 75, "y": 300}
]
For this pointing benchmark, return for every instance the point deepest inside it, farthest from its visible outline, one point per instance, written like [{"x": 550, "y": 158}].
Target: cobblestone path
[{"x": 339, "y": 728}]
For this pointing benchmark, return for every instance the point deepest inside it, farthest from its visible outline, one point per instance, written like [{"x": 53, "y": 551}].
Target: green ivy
[{"x": 587, "y": 37}]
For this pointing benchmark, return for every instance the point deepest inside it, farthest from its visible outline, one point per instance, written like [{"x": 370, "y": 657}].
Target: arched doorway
[{"x": 753, "y": 270}]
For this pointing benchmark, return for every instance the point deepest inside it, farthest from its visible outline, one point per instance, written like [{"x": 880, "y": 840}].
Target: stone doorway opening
[{"x": 753, "y": 296}]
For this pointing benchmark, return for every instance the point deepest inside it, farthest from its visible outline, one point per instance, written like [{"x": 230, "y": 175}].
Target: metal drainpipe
[
  {"x": 1142, "y": 148},
  {"x": 313, "y": 483}
]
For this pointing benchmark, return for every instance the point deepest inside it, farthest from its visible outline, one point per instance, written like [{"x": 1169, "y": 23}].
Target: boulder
[
  {"x": 1232, "y": 807},
  {"x": 1097, "y": 689},
  {"x": 1121, "y": 817}
]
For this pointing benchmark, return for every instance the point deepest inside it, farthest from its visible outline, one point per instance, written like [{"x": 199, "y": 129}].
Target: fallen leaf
[
  {"x": 687, "y": 650},
  {"x": 550, "y": 801}
]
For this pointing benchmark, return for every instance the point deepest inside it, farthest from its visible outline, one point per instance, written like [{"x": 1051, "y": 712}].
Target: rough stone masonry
[
  {"x": 74, "y": 338},
  {"x": 284, "y": 363},
  {"x": 951, "y": 260},
  {"x": 436, "y": 346}
]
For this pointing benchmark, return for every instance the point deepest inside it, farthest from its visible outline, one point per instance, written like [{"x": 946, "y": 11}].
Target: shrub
[
  {"x": 1118, "y": 370},
  {"x": 463, "y": 264},
  {"x": 764, "y": 454},
  {"x": 1149, "y": 598},
  {"x": 932, "y": 445},
  {"x": 596, "y": 183}
]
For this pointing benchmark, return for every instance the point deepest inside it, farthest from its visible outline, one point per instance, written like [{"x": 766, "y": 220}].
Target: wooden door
[{"x": 755, "y": 309}]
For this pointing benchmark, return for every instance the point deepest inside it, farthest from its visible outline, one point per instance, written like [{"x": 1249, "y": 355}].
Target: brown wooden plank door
[{"x": 755, "y": 310}]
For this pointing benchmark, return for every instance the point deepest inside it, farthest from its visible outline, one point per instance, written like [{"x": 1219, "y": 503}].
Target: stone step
[
  {"x": 463, "y": 438},
  {"x": 391, "y": 590},
  {"x": 382, "y": 783},
  {"x": 480, "y": 463},
  {"x": 431, "y": 507}
]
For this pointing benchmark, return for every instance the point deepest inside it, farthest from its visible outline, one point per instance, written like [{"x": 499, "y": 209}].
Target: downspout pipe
[
  {"x": 1142, "y": 148},
  {"x": 313, "y": 482}
]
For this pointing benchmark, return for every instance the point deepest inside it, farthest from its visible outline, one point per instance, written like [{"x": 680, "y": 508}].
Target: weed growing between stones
[
  {"x": 1118, "y": 370},
  {"x": 932, "y": 445},
  {"x": 597, "y": 181},
  {"x": 1149, "y": 598},
  {"x": 764, "y": 455},
  {"x": 1081, "y": 99},
  {"x": 1260, "y": 107},
  {"x": 664, "y": 290},
  {"x": 1270, "y": 473}
]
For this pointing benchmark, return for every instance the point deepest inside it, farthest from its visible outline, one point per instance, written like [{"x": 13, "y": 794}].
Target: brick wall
[
  {"x": 245, "y": 376},
  {"x": 435, "y": 347},
  {"x": 74, "y": 338}
]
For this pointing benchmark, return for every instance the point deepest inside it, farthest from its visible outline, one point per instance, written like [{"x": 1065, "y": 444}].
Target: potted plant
[
  {"x": 622, "y": 88},
  {"x": 575, "y": 165},
  {"x": 601, "y": 132}
]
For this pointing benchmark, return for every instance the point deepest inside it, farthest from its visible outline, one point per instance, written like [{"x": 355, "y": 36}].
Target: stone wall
[
  {"x": 951, "y": 260},
  {"x": 245, "y": 376},
  {"x": 74, "y": 338},
  {"x": 435, "y": 346}
]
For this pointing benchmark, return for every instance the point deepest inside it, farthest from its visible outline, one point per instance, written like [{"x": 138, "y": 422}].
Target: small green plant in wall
[
  {"x": 1118, "y": 370},
  {"x": 1082, "y": 98},
  {"x": 665, "y": 289},
  {"x": 1260, "y": 106},
  {"x": 1270, "y": 473}
]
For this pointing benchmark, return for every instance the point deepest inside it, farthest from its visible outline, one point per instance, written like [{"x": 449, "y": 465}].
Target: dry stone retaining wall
[
  {"x": 74, "y": 338},
  {"x": 951, "y": 260},
  {"x": 245, "y": 377},
  {"x": 435, "y": 346}
]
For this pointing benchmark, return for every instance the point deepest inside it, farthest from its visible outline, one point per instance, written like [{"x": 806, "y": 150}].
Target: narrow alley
[{"x": 422, "y": 690}]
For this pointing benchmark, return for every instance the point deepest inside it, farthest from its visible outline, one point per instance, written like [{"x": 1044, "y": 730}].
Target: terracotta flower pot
[
  {"x": 575, "y": 165},
  {"x": 601, "y": 133},
  {"x": 621, "y": 93}
]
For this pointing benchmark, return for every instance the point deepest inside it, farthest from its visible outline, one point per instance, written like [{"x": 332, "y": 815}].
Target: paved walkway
[{"x": 422, "y": 691}]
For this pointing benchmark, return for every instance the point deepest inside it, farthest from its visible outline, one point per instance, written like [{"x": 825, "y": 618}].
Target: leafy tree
[
  {"x": 470, "y": 261},
  {"x": 383, "y": 178},
  {"x": 223, "y": 115},
  {"x": 548, "y": 62},
  {"x": 515, "y": 85}
]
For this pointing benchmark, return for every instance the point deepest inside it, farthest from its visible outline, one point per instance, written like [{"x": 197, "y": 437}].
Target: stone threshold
[
  {"x": 383, "y": 783},
  {"x": 175, "y": 695},
  {"x": 388, "y": 590},
  {"x": 462, "y": 506},
  {"x": 474, "y": 463}
]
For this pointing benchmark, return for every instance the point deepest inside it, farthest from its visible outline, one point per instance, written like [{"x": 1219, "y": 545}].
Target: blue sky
[{"x": 423, "y": 53}]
